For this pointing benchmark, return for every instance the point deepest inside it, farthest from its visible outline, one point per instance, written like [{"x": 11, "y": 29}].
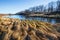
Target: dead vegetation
[{"x": 15, "y": 29}]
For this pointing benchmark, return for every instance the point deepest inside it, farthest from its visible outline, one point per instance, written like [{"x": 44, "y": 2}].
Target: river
[{"x": 49, "y": 20}]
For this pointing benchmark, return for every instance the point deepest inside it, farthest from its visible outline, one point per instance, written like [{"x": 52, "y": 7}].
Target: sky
[{"x": 14, "y": 6}]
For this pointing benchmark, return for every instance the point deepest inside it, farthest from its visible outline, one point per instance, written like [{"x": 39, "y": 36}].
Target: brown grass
[
  {"x": 1, "y": 15},
  {"x": 15, "y": 29}
]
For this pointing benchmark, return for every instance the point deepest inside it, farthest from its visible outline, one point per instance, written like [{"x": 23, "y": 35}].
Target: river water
[{"x": 50, "y": 20}]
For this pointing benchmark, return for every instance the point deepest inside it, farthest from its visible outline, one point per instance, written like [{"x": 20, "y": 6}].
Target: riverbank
[
  {"x": 15, "y": 29},
  {"x": 43, "y": 15},
  {"x": 1, "y": 15}
]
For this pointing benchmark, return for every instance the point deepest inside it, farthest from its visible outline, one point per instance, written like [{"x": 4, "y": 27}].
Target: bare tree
[
  {"x": 50, "y": 7},
  {"x": 58, "y": 5}
]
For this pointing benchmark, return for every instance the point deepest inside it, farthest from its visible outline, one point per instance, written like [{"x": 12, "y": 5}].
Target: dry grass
[
  {"x": 1, "y": 15},
  {"x": 15, "y": 29}
]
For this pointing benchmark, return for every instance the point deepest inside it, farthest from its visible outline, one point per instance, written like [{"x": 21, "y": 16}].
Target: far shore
[
  {"x": 3, "y": 15},
  {"x": 40, "y": 15},
  {"x": 35, "y": 15},
  {"x": 43, "y": 15}
]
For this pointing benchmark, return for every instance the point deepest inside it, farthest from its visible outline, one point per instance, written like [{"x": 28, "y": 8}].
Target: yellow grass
[{"x": 15, "y": 29}]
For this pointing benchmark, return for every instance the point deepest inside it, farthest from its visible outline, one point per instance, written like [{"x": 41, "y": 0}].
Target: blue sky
[{"x": 14, "y": 6}]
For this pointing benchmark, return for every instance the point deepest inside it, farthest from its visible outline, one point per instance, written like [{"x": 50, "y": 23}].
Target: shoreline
[
  {"x": 35, "y": 15},
  {"x": 3, "y": 15},
  {"x": 41, "y": 15}
]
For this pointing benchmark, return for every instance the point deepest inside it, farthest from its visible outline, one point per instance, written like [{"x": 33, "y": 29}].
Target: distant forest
[{"x": 51, "y": 8}]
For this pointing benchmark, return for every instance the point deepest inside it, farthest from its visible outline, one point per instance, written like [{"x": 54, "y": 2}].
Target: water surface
[{"x": 50, "y": 20}]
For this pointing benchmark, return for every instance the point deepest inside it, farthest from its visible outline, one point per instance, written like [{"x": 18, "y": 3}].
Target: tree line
[{"x": 52, "y": 7}]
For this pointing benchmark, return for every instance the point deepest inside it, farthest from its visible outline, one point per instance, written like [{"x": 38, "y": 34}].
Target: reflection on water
[{"x": 50, "y": 20}]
